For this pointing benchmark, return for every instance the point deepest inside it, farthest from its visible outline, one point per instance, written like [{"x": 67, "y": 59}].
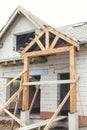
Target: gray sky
[{"x": 54, "y": 12}]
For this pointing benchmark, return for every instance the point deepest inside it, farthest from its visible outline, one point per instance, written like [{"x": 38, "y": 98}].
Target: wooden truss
[
  {"x": 50, "y": 49},
  {"x": 47, "y": 46}
]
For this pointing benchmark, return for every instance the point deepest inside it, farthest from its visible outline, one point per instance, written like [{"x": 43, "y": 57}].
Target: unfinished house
[{"x": 51, "y": 63}]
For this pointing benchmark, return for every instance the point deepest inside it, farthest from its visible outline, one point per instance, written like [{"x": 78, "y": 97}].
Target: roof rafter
[
  {"x": 54, "y": 42},
  {"x": 46, "y": 31},
  {"x": 64, "y": 37},
  {"x": 32, "y": 43}
]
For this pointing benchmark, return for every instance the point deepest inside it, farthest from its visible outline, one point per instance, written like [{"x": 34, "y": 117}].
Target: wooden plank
[
  {"x": 16, "y": 106},
  {"x": 48, "y": 52},
  {"x": 40, "y": 44},
  {"x": 54, "y": 42},
  {"x": 41, "y": 123},
  {"x": 57, "y": 110},
  {"x": 25, "y": 88},
  {"x": 50, "y": 82},
  {"x": 34, "y": 98},
  {"x": 32, "y": 43},
  {"x": 10, "y": 100},
  {"x": 47, "y": 39},
  {"x": 15, "y": 118},
  {"x": 81, "y": 103},
  {"x": 7, "y": 77},
  {"x": 72, "y": 76},
  {"x": 64, "y": 37},
  {"x": 11, "y": 81}
]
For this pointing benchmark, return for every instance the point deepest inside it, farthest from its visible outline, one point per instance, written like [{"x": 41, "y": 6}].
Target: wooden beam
[
  {"x": 32, "y": 42},
  {"x": 72, "y": 76},
  {"x": 50, "y": 82},
  {"x": 25, "y": 88},
  {"x": 47, "y": 39},
  {"x": 7, "y": 77},
  {"x": 57, "y": 110},
  {"x": 64, "y": 37},
  {"x": 54, "y": 42},
  {"x": 80, "y": 99},
  {"x": 40, "y": 44},
  {"x": 48, "y": 52},
  {"x": 11, "y": 81},
  {"x": 41, "y": 123},
  {"x": 34, "y": 98},
  {"x": 12, "y": 116},
  {"x": 16, "y": 107},
  {"x": 10, "y": 100}
]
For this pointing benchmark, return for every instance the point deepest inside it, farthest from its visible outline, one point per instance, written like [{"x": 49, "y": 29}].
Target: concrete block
[
  {"x": 25, "y": 117},
  {"x": 73, "y": 122}
]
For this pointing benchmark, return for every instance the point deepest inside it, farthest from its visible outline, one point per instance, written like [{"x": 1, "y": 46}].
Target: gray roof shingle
[{"x": 77, "y": 32}]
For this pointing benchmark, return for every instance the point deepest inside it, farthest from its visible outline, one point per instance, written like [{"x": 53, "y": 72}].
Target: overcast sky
[{"x": 54, "y": 12}]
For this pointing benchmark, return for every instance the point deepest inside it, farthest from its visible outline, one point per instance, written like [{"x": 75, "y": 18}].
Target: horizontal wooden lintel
[
  {"x": 50, "y": 82},
  {"x": 48, "y": 51}
]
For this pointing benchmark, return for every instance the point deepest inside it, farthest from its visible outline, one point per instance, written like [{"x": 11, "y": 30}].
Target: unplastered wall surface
[
  {"x": 82, "y": 72},
  {"x": 21, "y": 25},
  {"x": 3, "y": 93},
  {"x": 50, "y": 94}
]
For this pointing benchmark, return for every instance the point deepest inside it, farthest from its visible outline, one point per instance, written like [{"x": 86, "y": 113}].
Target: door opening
[
  {"x": 36, "y": 106},
  {"x": 64, "y": 88}
]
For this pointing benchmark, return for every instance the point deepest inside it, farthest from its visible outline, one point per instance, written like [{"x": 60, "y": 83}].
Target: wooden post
[
  {"x": 47, "y": 37},
  {"x": 26, "y": 88},
  {"x": 73, "y": 76}
]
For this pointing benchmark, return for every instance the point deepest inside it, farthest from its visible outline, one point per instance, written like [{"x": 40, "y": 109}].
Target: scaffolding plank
[{"x": 41, "y": 123}]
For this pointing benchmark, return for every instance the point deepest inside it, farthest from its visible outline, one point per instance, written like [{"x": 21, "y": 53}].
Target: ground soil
[{"x": 5, "y": 125}]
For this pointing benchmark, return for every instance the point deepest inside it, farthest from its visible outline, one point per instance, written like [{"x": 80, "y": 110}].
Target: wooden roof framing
[{"x": 47, "y": 46}]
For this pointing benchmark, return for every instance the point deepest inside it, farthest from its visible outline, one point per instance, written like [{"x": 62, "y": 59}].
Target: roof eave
[{"x": 12, "y": 17}]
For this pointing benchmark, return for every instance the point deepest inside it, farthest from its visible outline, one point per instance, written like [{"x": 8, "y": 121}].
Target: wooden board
[
  {"x": 47, "y": 39},
  {"x": 41, "y": 123},
  {"x": 11, "y": 81},
  {"x": 72, "y": 76},
  {"x": 15, "y": 118},
  {"x": 48, "y": 52},
  {"x": 57, "y": 110},
  {"x": 10, "y": 100},
  {"x": 34, "y": 98},
  {"x": 64, "y": 37},
  {"x": 54, "y": 42},
  {"x": 40, "y": 44},
  {"x": 25, "y": 88},
  {"x": 32, "y": 42},
  {"x": 7, "y": 77},
  {"x": 50, "y": 82}
]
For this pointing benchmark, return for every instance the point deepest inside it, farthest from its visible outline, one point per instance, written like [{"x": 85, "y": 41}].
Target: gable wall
[{"x": 21, "y": 25}]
